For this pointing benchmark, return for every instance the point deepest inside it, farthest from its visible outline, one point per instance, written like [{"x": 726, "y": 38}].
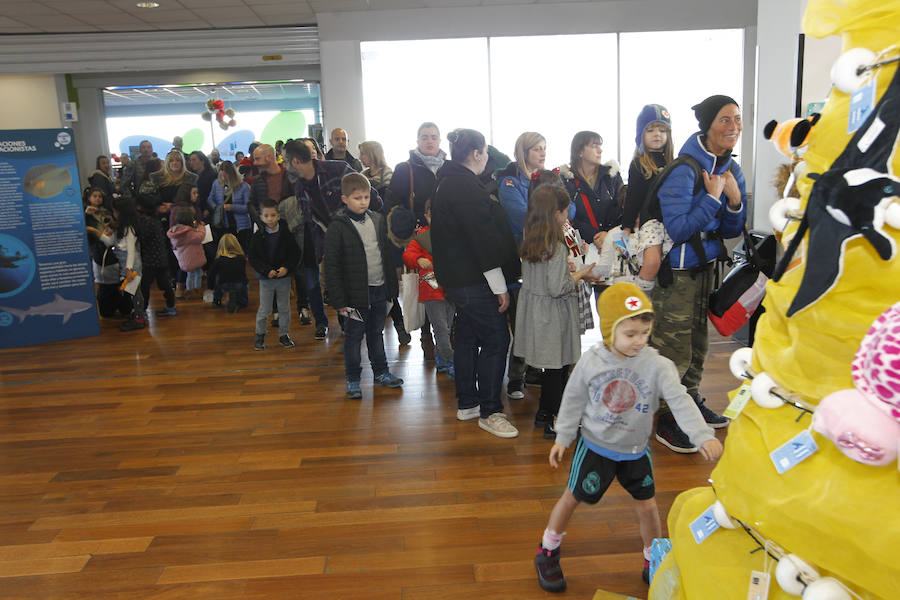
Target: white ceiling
[{"x": 79, "y": 16}]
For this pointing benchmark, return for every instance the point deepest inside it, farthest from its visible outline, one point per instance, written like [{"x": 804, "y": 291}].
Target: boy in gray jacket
[{"x": 612, "y": 394}]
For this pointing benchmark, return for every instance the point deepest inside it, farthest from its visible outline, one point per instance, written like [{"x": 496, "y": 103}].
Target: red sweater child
[{"x": 420, "y": 248}]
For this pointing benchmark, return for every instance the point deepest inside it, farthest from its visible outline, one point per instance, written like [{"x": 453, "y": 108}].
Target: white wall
[
  {"x": 30, "y": 102},
  {"x": 778, "y": 30}
]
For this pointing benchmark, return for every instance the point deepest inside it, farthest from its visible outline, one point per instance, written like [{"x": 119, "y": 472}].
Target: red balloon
[
  {"x": 219, "y": 104},
  {"x": 232, "y": 123}
]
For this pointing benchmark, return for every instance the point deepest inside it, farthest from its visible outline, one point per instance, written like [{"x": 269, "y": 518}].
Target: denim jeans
[
  {"x": 307, "y": 278},
  {"x": 440, "y": 313},
  {"x": 372, "y": 328},
  {"x": 482, "y": 340},
  {"x": 274, "y": 289}
]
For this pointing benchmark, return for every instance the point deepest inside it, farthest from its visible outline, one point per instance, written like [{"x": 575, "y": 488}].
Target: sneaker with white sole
[
  {"x": 498, "y": 424},
  {"x": 467, "y": 414}
]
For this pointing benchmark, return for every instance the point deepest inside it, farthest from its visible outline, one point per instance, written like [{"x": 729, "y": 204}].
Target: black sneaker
[
  {"x": 403, "y": 337},
  {"x": 304, "y": 316},
  {"x": 549, "y": 573},
  {"x": 321, "y": 333},
  {"x": 550, "y": 431},
  {"x": 217, "y": 303},
  {"x": 260, "y": 342},
  {"x": 542, "y": 418},
  {"x": 286, "y": 341},
  {"x": 712, "y": 419},
  {"x": 274, "y": 323},
  {"x": 133, "y": 324},
  {"x": 670, "y": 435}
]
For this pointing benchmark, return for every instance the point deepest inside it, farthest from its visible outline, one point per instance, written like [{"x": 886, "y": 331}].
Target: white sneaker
[
  {"x": 498, "y": 425},
  {"x": 208, "y": 296},
  {"x": 467, "y": 414}
]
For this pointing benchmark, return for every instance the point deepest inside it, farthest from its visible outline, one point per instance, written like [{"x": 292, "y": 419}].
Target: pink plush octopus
[{"x": 864, "y": 423}]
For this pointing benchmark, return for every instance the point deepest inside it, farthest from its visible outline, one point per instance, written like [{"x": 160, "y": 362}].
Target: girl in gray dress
[{"x": 548, "y": 316}]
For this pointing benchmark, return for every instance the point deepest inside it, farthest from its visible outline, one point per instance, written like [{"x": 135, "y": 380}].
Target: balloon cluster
[{"x": 225, "y": 117}]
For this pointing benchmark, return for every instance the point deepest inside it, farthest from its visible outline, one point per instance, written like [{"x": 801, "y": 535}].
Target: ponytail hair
[{"x": 463, "y": 142}]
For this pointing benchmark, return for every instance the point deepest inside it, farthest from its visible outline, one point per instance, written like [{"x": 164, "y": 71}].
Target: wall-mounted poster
[{"x": 46, "y": 288}]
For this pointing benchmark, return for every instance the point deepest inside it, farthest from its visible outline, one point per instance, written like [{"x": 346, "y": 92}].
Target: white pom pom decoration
[
  {"x": 761, "y": 390},
  {"x": 740, "y": 361},
  {"x": 721, "y": 515},
  {"x": 844, "y": 70},
  {"x": 826, "y": 588},
  {"x": 792, "y": 574}
]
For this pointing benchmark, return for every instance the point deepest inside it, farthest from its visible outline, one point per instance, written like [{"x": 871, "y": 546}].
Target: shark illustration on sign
[
  {"x": 8, "y": 261},
  {"x": 59, "y": 306}
]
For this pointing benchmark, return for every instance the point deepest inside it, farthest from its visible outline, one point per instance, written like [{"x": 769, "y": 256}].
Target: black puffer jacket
[
  {"x": 424, "y": 183},
  {"x": 600, "y": 200},
  {"x": 470, "y": 232},
  {"x": 286, "y": 254},
  {"x": 346, "y": 268}
]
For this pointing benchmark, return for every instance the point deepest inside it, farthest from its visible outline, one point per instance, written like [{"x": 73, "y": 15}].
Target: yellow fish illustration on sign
[{"x": 47, "y": 181}]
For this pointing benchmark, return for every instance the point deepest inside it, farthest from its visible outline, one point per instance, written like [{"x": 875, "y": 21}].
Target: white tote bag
[{"x": 413, "y": 310}]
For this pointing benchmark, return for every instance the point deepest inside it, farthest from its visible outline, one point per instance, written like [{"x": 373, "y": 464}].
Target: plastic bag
[{"x": 413, "y": 310}]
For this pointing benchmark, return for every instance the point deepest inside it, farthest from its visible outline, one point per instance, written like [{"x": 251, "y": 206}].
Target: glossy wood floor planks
[{"x": 176, "y": 462}]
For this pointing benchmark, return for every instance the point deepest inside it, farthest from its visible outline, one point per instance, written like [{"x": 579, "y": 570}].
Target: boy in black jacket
[
  {"x": 360, "y": 277},
  {"x": 274, "y": 256}
]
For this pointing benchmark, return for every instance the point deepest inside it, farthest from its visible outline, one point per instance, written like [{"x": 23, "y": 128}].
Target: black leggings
[
  {"x": 553, "y": 382},
  {"x": 163, "y": 281}
]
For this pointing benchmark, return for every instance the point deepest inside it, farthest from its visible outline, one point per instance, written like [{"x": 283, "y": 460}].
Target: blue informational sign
[{"x": 46, "y": 287}]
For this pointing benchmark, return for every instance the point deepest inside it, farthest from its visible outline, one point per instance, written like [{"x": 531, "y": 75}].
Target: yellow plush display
[{"x": 838, "y": 515}]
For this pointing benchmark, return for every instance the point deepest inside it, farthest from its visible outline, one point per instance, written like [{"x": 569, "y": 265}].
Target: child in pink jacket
[{"x": 186, "y": 237}]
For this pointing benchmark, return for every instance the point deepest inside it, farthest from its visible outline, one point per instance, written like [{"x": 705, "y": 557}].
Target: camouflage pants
[{"x": 680, "y": 332}]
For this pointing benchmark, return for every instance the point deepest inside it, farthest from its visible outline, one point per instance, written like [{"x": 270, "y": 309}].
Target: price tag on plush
[
  {"x": 793, "y": 452},
  {"x": 862, "y": 102},
  {"x": 737, "y": 404},
  {"x": 704, "y": 525},
  {"x": 759, "y": 586}
]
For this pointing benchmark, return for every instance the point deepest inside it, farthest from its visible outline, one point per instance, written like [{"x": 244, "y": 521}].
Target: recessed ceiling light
[{"x": 147, "y": 4}]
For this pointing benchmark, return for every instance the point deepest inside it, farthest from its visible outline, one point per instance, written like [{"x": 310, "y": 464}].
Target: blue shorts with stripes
[{"x": 592, "y": 474}]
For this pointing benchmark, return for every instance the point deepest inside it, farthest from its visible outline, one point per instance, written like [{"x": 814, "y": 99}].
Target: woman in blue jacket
[{"x": 232, "y": 193}]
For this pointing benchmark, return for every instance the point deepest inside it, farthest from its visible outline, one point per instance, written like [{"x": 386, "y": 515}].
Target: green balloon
[
  {"x": 193, "y": 140},
  {"x": 284, "y": 125}
]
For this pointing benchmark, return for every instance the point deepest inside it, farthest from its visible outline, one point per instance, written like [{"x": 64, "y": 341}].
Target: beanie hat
[
  {"x": 401, "y": 226},
  {"x": 651, "y": 113},
  {"x": 707, "y": 110},
  {"x": 620, "y": 301}
]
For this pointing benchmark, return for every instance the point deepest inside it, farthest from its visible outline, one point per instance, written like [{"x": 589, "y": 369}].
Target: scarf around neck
[{"x": 432, "y": 162}]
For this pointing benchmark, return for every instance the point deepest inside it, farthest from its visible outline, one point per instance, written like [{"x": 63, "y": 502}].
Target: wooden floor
[{"x": 176, "y": 462}]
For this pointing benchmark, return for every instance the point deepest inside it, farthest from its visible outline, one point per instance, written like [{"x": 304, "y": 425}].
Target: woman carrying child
[
  {"x": 98, "y": 222},
  {"x": 548, "y": 319}
]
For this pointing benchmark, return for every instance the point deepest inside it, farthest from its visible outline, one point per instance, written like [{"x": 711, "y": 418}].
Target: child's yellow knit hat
[{"x": 620, "y": 301}]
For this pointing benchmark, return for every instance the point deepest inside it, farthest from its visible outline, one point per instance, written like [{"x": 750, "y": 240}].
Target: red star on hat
[{"x": 633, "y": 303}]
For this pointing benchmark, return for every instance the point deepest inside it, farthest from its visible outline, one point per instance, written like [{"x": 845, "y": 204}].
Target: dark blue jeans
[
  {"x": 372, "y": 328},
  {"x": 482, "y": 340},
  {"x": 307, "y": 278}
]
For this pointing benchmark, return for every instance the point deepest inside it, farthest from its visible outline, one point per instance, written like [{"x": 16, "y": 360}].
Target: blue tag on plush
[
  {"x": 862, "y": 102},
  {"x": 704, "y": 525},
  {"x": 794, "y": 451}
]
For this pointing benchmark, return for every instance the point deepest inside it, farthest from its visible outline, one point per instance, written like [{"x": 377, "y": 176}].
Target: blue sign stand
[{"x": 46, "y": 286}]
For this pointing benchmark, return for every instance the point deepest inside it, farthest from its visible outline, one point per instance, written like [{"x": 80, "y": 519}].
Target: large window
[
  {"x": 409, "y": 82},
  {"x": 555, "y": 85}
]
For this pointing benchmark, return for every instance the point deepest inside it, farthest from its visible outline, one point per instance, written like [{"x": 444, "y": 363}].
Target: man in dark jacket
[
  {"x": 338, "y": 151},
  {"x": 317, "y": 190},
  {"x": 359, "y": 275},
  {"x": 698, "y": 215}
]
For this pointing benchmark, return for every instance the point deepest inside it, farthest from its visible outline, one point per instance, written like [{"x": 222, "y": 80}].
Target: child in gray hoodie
[{"x": 612, "y": 394}]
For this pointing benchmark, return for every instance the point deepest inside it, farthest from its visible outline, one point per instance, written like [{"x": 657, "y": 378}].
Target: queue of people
[{"x": 509, "y": 259}]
